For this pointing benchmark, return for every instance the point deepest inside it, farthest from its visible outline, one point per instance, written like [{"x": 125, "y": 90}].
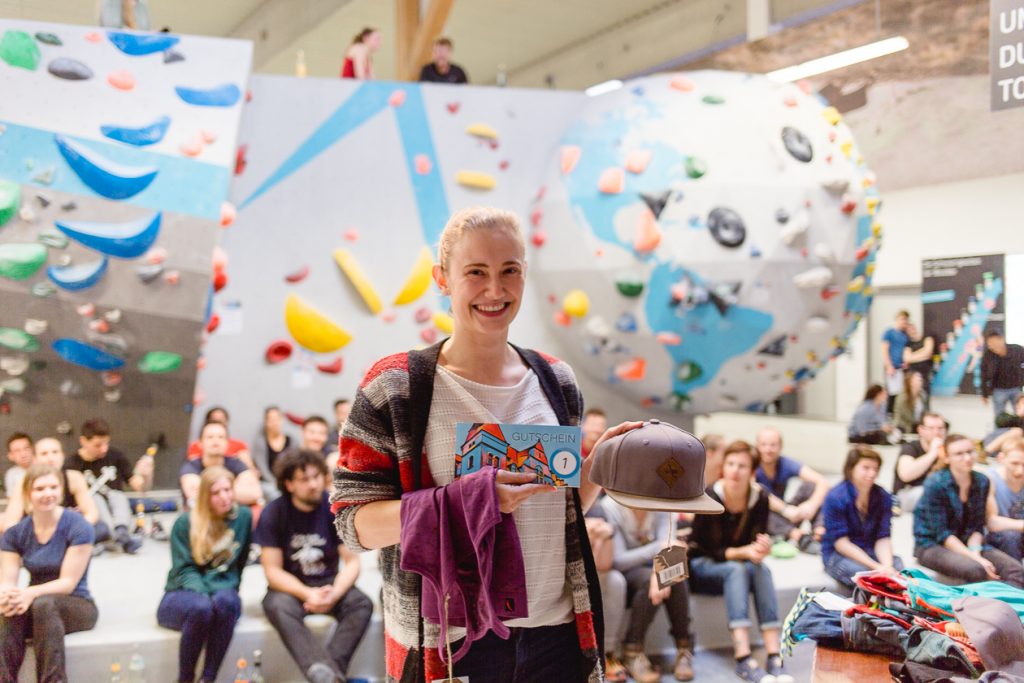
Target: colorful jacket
[{"x": 381, "y": 457}]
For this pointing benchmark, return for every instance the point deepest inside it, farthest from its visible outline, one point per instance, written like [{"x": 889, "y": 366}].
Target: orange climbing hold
[
  {"x": 632, "y": 370},
  {"x": 570, "y": 156},
  {"x": 612, "y": 181},
  {"x": 648, "y": 234}
]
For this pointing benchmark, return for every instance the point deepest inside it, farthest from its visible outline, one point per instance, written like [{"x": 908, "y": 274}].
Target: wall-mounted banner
[
  {"x": 961, "y": 297},
  {"x": 1006, "y": 55}
]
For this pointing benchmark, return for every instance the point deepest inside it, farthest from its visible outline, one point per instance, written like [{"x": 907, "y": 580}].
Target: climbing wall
[{"x": 116, "y": 153}]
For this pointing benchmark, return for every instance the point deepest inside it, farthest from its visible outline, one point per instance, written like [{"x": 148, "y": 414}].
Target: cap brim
[{"x": 701, "y": 505}]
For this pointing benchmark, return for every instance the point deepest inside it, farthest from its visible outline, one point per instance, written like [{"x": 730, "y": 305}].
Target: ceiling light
[
  {"x": 602, "y": 88},
  {"x": 837, "y": 60}
]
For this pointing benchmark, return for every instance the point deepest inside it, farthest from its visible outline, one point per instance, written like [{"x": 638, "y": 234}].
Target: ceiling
[{"x": 565, "y": 44}]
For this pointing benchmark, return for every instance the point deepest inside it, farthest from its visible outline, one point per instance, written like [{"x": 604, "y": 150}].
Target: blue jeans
[
  {"x": 842, "y": 568},
  {"x": 738, "y": 580},
  {"x": 1000, "y": 397},
  {"x": 203, "y": 620},
  {"x": 530, "y": 655}
]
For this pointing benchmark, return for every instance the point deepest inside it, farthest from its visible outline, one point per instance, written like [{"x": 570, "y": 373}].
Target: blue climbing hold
[
  {"x": 141, "y": 44},
  {"x": 122, "y": 240},
  {"x": 77, "y": 277},
  {"x": 105, "y": 177},
  {"x": 221, "y": 96},
  {"x": 626, "y": 323},
  {"x": 86, "y": 355},
  {"x": 140, "y": 137}
]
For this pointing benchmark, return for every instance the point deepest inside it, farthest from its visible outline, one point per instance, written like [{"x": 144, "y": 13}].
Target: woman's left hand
[{"x": 18, "y": 601}]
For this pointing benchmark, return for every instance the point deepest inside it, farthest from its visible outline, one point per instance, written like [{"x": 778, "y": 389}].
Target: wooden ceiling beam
[{"x": 430, "y": 26}]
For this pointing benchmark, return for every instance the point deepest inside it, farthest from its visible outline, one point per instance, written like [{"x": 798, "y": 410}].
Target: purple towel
[{"x": 458, "y": 540}]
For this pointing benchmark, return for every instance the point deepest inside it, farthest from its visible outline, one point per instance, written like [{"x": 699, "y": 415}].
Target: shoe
[
  {"x": 749, "y": 670},
  {"x": 809, "y": 545},
  {"x": 784, "y": 550},
  {"x": 614, "y": 670},
  {"x": 683, "y": 670},
  {"x": 98, "y": 549},
  {"x": 778, "y": 669},
  {"x": 157, "y": 532},
  {"x": 639, "y": 667},
  {"x": 319, "y": 672},
  {"x": 128, "y": 543}
]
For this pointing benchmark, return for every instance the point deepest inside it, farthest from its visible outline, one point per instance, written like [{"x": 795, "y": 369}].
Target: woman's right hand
[{"x": 516, "y": 487}]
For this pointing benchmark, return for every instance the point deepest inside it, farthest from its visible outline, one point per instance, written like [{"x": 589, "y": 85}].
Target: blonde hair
[
  {"x": 475, "y": 218},
  {"x": 206, "y": 528},
  {"x": 35, "y": 471},
  {"x": 1014, "y": 444}
]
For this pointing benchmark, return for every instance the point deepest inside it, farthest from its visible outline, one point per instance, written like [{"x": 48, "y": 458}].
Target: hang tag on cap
[
  {"x": 670, "y": 566},
  {"x": 457, "y": 679}
]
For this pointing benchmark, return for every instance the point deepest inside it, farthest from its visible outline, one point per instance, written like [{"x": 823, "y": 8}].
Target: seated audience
[
  {"x": 1007, "y": 475},
  {"x": 858, "y": 516},
  {"x": 314, "y": 437},
  {"x": 593, "y": 426},
  {"x": 300, "y": 556},
  {"x": 19, "y": 452},
  {"x": 236, "y": 448},
  {"x": 868, "y": 424},
  {"x": 213, "y": 439},
  {"x": 270, "y": 443},
  {"x": 727, "y": 554},
  {"x": 917, "y": 459},
  {"x": 110, "y": 475},
  {"x": 950, "y": 520},
  {"x": 613, "y": 589},
  {"x": 209, "y": 549},
  {"x": 714, "y": 448},
  {"x": 54, "y": 545},
  {"x": 639, "y": 535},
  {"x": 911, "y": 403},
  {"x": 75, "y": 496},
  {"x": 342, "y": 407},
  {"x": 797, "y": 493}
]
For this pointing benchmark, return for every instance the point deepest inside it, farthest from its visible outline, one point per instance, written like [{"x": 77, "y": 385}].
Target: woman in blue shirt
[
  {"x": 54, "y": 545},
  {"x": 858, "y": 516}
]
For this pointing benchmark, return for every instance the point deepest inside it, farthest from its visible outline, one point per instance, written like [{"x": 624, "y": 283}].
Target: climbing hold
[
  {"x": 598, "y": 326},
  {"x": 682, "y": 84},
  {"x": 16, "y": 340},
  {"x": 629, "y": 286},
  {"x": 452, "y": 107},
  {"x": 562, "y": 318},
  {"x": 422, "y": 315},
  {"x": 687, "y": 371},
  {"x": 48, "y": 39},
  {"x": 43, "y": 289},
  {"x": 713, "y": 99},
  {"x": 836, "y": 185},
  {"x": 422, "y": 164},
  {"x": 482, "y": 130},
  {"x": 815, "y": 278},
  {"x": 14, "y": 385},
  {"x": 149, "y": 272},
  {"x": 212, "y": 323},
  {"x": 355, "y": 275},
  {"x": 10, "y": 200},
  {"x": 397, "y": 98},
  {"x": 782, "y": 216},
  {"x": 334, "y": 367},
  {"x": 612, "y": 181},
  {"x": 539, "y": 237},
  {"x": 112, "y": 396},
  {"x": 113, "y": 315},
  {"x": 225, "y": 95},
  {"x": 43, "y": 199},
  {"x": 172, "y": 56},
  {"x": 476, "y": 179},
  {"x": 159, "y": 362},
  {"x": 849, "y": 204},
  {"x": 68, "y": 206},
  {"x": 797, "y": 144},
  {"x": 138, "y": 44},
  {"x": 14, "y": 365},
  {"x": 576, "y": 303},
  {"x": 428, "y": 335},
  {"x": 695, "y": 168},
  {"x": 776, "y": 347},
  {"x": 656, "y": 202},
  {"x": 26, "y": 214},
  {"x": 829, "y": 292},
  {"x": 847, "y": 149},
  {"x": 278, "y": 351},
  {"x": 626, "y": 322},
  {"x": 817, "y": 324},
  {"x": 140, "y": 137},
  {"x": 872, "y": 204},
  {"x": 18, "y": 49},
  {"x": 351, "y": 235},
  {"x": 35, "y": 327},
  {"x": 93, "y": 37},
  {"x": 122, "y": 80},
  {"x": 648, "y": 235},
  {"x": 192, "y": 147},
  {"x": 668, "y": 338},
  {"x": 831, "y": 115},
  {"x": 20, "y": 261},
  {"x": 69, "y": 69},
  {"x": 297, "y": 275},
  {"x": 86, "y": 310},
  {"x": 569, "y": 157},
  {"x": 419, "y": 278},
  {"x": 632, "y": 370},
  {"x": 110, "y": 378},
  {"x": 122, "y": 240},
  {"x": 824, "y": 252},
  {"x": 726, "y": 227},
  {"x": 86, "y": 355},
  {"x": 795, "y": 229},
  {"x": 856, "y": 284},
  {"x": 107, "y": 178},
  {"x": 637, "y": 160},
  {"x": 388, "y": 315},
  {"x": 311, "y": 328},
  {"x": 444, "y": 322},
  {"x": 75, "y": 278},
  {"x": 228, "y": 213},
  {"x": 220, "y": 280},
  {"x": 99, "y": 325}
]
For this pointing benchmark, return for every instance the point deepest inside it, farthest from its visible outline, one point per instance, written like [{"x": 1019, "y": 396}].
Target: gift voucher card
[{"x": 552, "y": 453}]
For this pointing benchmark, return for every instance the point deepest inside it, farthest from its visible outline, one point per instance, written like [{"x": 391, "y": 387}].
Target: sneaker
[
  {"x": 784, "y": 550},
  {"x": 749, "y": 670},
  {"x": 683, "y": 670},
  {"x": 130, "y": 544},
  {"x": 778, "y": 669},
  {"x": 809, "y": 545},
  {"x": 157, "y": 532},
  {"x": 319, "y": 672},
  {"x": 640, "y": 668},
  {"x": 614, "y": 671}
]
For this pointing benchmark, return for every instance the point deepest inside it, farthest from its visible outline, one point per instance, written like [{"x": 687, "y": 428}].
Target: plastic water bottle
[
  {"x": 241, "y": 676},
  {"x": 256, "y": 673},
  {"x": 136, "y": 667},
  {"x": 115, "y": 671}
]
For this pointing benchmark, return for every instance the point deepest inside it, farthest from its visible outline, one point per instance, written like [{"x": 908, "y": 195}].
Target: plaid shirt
[{"x": 940, "y": 513}]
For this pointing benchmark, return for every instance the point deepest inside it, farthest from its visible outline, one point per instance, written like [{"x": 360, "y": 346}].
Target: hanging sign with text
[{"x": 1006, "y": 53}]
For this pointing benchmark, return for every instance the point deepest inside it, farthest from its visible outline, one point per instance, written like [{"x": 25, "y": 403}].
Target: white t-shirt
[{"x": 540, "y": 520}]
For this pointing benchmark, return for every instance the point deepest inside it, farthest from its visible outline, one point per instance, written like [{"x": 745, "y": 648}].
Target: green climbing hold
[
  {"x": 10, "y": 200},
  {"x": 688, "y": 371},
  {"x": 156, "y": 362},
  {"x": 695, "y": 168},
  {"x": 629, "y": 287},
  {"x": 52, "y": 238},
  {"x": 48, "y": 38},
  {"x": 14, "y": 385},
  {"x": 20, "y": 261},
  {"x": 16, "y": 340},
  {"x": 44, "y": 289},
  {"x": 680, "y": 401},
  {"x": 713, "y": 99},
  {"x": 18, "y": 49}
]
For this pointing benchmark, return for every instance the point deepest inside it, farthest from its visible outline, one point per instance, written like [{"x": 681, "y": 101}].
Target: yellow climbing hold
[
  {"x": 476, "y": 179},
  {"x": 419, "y": 279},
  {"x": 869, "y": 269},
  {"x": 355, "y": 274},
  {"x": 856, "y": 284},
  {"x": 876, "y": 229},
  {"x": 444, "y": 322},
  {"x": 872, "y": 204},
  {"x": 847, "y": 148},
  {"x": 832, "y": 115},
  {"x": 311, "y": 328},
  {"x": 482, "y": 130},
  {"x": 576, "y": 303}
]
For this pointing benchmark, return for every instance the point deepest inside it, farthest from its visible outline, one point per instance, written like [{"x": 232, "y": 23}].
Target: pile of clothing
[{"x": 931, "y": 631}]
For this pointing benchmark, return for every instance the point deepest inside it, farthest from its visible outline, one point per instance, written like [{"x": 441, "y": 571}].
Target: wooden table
[{"x": 840, "y": 666}]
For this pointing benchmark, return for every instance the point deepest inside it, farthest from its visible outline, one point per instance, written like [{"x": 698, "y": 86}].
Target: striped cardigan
[{"x": 381, "y": 457}]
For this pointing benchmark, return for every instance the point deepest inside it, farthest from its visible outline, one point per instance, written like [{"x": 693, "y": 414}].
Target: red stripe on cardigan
[
  {"x": 585, "y": 631},
  {"x": 398, "y": 361},
  {"x": 550, "y": 359},
  {"x": 394, "y": 657},
  {"x": 356, "y": 456}
]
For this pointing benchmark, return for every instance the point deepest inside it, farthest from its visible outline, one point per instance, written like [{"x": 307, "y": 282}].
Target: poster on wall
[{"x": 961, "y": 297}]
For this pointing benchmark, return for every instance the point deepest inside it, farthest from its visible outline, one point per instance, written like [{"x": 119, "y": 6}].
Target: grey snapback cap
[
  {"x": 656, "y": 466},
  {"x": 995, "y": 631}
]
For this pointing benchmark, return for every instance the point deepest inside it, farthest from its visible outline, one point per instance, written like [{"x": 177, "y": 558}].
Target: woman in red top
[{"x": 358, "y": 62}]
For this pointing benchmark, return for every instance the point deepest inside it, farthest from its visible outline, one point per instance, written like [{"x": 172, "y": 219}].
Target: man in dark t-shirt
[
  {"x": 441, "y": 70},
  {"x": 916, "y": 460},
  {"x": 300, "y": 556},
  {"x": 213, "y": 439}
]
